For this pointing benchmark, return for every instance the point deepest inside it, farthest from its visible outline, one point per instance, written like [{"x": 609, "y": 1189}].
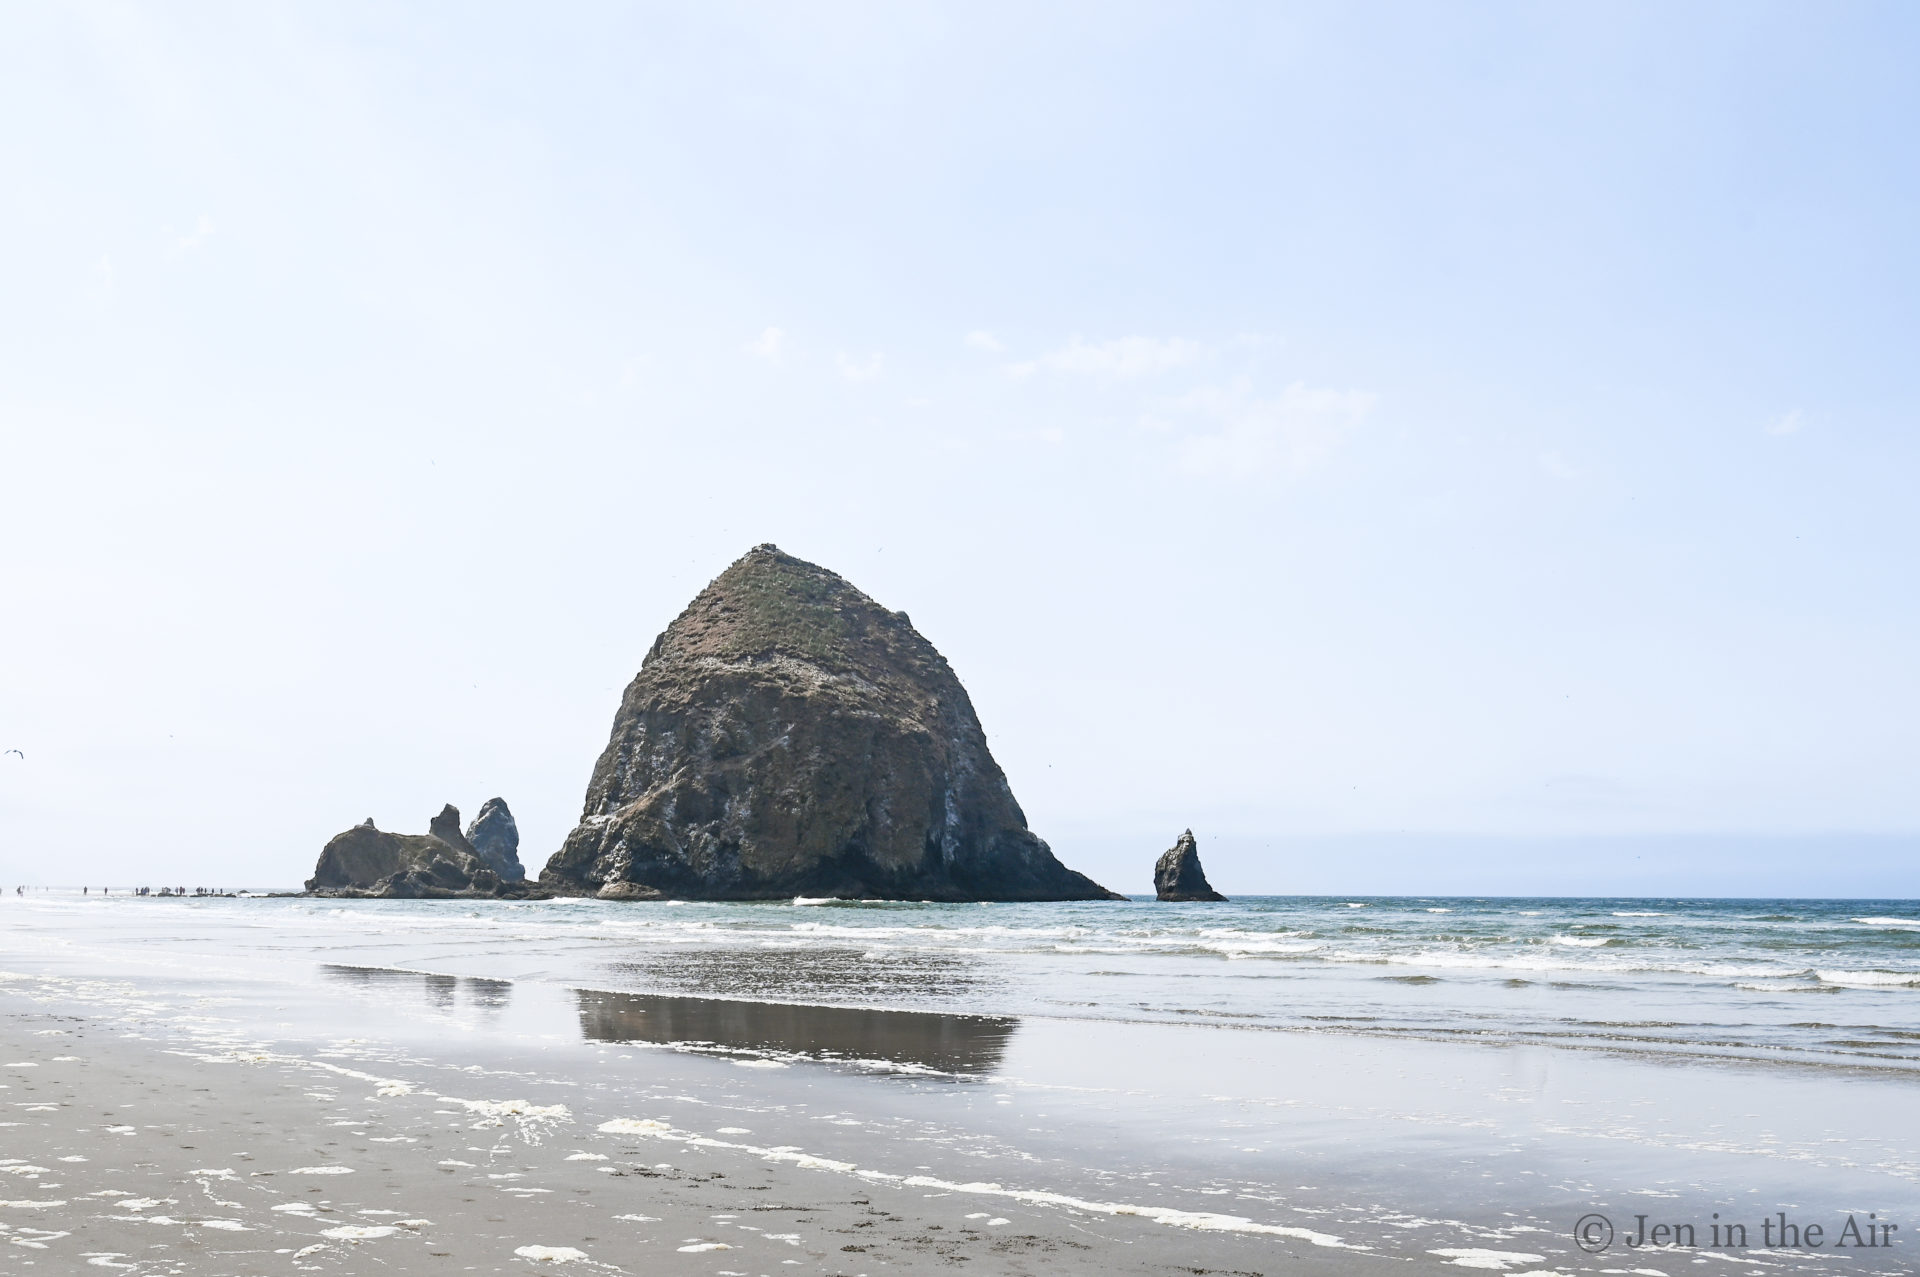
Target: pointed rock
[
  {"x": 788, "y": 736},
  {"x": 446, "y": 827},
  {"x": 496, "y": 839},
  {"x": 1178, "y": 876}
]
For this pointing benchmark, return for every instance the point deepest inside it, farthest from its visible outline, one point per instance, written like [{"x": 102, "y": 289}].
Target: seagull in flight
[{"x": 23, "y": 757}]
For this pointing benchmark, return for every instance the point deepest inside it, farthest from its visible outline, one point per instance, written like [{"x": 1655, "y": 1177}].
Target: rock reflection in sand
[
  {"x": 443, "y": 992},
  {"x": 960, "y": 1044},
  {"x": 838, "y": 974}
]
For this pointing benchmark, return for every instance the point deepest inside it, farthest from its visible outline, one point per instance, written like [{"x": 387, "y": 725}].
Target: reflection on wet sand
[
  {"x": 817, "y": 974},
  {"x": 966, "y": 1044},
  {"x": 442, "y": 992}
]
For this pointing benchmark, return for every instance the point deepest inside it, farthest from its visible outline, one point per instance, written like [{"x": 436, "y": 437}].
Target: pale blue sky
[{"x": 1320, "y": 425}]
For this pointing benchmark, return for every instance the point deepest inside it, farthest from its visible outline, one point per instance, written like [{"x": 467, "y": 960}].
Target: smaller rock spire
[
  {"x": 1178, "y": 876},
  {"x": 446, "y": 827},
  {"x": 496, "y": 839}
]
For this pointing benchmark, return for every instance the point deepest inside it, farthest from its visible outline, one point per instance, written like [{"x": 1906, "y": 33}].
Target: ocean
[{"x": 1793, "y": 982}]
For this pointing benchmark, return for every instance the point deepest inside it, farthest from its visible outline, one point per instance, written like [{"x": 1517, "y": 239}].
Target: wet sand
[{"x": 149, "y": 1156}]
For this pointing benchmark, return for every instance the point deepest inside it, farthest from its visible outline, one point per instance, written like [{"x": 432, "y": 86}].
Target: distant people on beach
[{"x": 171, "y": 893}]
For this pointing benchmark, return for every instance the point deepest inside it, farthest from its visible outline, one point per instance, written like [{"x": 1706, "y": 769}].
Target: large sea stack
[
  {"x": 788, "y": 736},
  {"x": 1178, "y": 876}
]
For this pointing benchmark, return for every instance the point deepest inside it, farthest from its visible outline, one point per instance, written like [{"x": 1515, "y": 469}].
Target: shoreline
[
  {"x": 383, "y": 1032},
  {"x": 1809, "y": 984}
]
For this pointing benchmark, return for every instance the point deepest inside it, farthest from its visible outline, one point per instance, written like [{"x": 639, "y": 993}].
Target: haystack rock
[
  {"x": 788, "y": 736},
  {"x": 1178, "y": 876},
  {"x": 496, "y": 839},
  {"x": 365, "y": 861}
]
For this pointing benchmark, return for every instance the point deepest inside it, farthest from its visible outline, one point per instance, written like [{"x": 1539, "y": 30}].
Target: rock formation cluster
[
  {"x": 365, "y": 861},
  {"x": 1178, "y": 876},
  {"x": 788, "y": 736}
]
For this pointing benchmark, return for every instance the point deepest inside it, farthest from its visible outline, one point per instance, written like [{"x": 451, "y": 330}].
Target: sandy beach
[
  {"x": 154, "y": 1156},
  {"x": 261, "y": 1086}
]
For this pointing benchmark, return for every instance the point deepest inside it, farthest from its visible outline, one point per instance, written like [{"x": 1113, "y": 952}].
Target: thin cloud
[
  {"x": 1122, "y": 358},
  {"x": 858, "y": 370},
  {"x": 1291, "y": 433},
  {"x": 981, "y": 339},
  {"x": 1789, "y": 423},
  {"x": 769, "y": 345},
  {"x": 1558, "y": 466},
  {"x": 190, "y": 242}
]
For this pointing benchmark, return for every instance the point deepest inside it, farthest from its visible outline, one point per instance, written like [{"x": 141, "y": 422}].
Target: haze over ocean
[{"x": 1456, "y": 449}]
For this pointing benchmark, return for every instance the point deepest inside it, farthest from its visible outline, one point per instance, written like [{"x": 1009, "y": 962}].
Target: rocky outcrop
[
  {"x": 365, "y": 861},
  {"x": 788, "y": 736},
  {"x": 1178, "y": 876},
  {"x": 446, "y": 827},
  {"x": 496, "y": 839}
]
